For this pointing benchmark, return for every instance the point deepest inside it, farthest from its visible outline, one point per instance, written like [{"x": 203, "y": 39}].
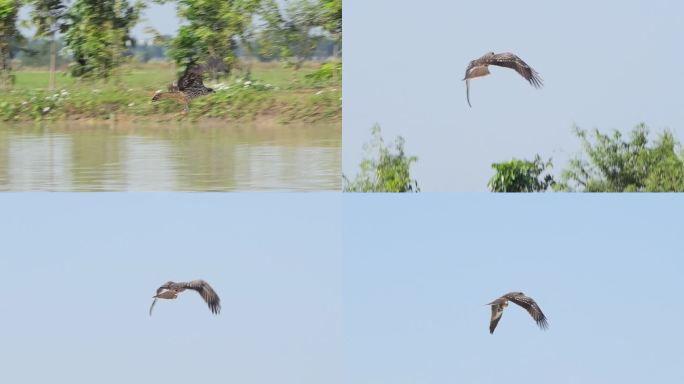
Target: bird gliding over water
[{"x": 190, "y": 86}]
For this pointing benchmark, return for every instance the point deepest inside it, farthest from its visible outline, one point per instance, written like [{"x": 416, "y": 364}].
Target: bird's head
[{"x": 167, "y": 285}]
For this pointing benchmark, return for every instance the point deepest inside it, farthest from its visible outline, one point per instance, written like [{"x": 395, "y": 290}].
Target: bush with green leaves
[
  {"x": 384, "y": 170},
  {"x": 616, "y": 164},
  {"x": 610, "y": 163},
  {"x": 328, "y": 72},
  {"x": 521, "y": 176}
]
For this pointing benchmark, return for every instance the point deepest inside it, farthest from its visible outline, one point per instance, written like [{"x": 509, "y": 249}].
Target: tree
[
  {"x": 333, "y": 17},
  {"x": 47, "y": 16},
  {"x": 383, "y": 170},
  {"x": 213, "y": 31},
  {"x": 618, "y": 165},
  {"x": 292, "y": 34},
  {"x": 9, "y": 35},
  {"x": 97, "y": 34},
  {"x": 521, "y": 176}
]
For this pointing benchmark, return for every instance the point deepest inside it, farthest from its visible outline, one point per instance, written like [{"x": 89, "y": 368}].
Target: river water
[{"x": 78, "y": 156}]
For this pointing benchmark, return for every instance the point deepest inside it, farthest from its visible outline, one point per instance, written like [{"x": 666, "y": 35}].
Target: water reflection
[{"x": 165, "y": 157}]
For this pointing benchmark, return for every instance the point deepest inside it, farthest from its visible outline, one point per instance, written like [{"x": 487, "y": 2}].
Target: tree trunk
[
  {"x": 53, "y": 60},
  {"x": 5, "y": 82}
]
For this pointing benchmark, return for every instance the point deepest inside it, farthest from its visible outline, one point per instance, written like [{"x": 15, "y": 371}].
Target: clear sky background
[
  {"x": 605, "y": 269},
  {"x": 161, "y": 17},
  {"x": 79, "y": 271},
  {"x": 605, "y": 64}
]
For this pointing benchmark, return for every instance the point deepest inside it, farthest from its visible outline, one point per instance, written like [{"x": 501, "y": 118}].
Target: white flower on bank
[
  {"x": 221, "y": 87},
  {"x": 46, "y": 109}
]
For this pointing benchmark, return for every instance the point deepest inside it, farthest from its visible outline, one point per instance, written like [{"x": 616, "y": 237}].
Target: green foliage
[
  {"x": 291, "y": 35},
  {"x": 97, "y": 34},
  {"x": 333, "y": 16},
  {"x": 384, "y": 170},
  {"x": 9, "y": 35},
  {"x": 212, "y": 33},
  {"x": 330, "y": 71},
  {"x": 616, "y": 164},
  {"x": 521, "y": 176},
  {"x": 282, "y": 98},
  {"x": 46, "y": 15}
]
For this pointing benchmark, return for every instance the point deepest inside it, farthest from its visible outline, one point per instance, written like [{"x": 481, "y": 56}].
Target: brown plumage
[
  {"x": 190, "y": 86},
  {"x": 519, "y": 298},
  {"x": 479, "y": 68},
  {"x": 170, "y": 290}
]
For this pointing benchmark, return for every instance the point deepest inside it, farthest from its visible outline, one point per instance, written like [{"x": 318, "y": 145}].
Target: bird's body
[
  {"x": 519, "y": 298},
  {"x": 190, "y": 86},
  {"x": 480, "y": 68},
  {"x": 170, "y": 290}
]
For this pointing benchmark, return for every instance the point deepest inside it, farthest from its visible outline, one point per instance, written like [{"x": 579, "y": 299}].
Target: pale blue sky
[
  {"x": 325, "y": 288},
  {"x": 606, "y": 271},
  {"x": 79, "y": 271},
  {"x": 605, "y": 64}
]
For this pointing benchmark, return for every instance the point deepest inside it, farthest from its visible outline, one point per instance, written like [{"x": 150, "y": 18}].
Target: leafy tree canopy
[
  {"x": 212, "y": 33},
  {"x": 9, "y": 38},
  {"x": 97, "y": 33},
  {"x": 291, "y": 34}
]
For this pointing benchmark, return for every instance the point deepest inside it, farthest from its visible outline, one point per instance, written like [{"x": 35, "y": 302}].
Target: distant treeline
[{"x": 35, "y": 53}]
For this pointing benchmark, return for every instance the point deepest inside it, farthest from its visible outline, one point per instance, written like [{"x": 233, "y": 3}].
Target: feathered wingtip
[
  {"x": 543, "y": 323},
  {"x": 536, "y": 80}
]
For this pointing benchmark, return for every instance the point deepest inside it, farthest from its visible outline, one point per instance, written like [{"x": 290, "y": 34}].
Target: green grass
[{"x": 274, "y": 92}]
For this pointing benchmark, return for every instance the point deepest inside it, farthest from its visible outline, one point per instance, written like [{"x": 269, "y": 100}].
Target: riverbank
[{"x": 268, "y": 92}]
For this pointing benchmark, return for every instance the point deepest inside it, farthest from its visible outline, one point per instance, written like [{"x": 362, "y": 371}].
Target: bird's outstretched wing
[
  {"x": 191, "y": 79},
  {"x": 497, "y": 311},
  {"x": 512, "y": 61},
  {"x": 531, "y": 306},
  {"x": 207, "y": 293}
]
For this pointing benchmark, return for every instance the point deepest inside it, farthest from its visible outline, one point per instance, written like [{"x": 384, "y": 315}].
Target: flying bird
[
  {"x": 479, "y": 68},
  {"x": 519, "y": 298},
  {"x": 170, "y": 290},
  {"x": 190, "y": 86}
]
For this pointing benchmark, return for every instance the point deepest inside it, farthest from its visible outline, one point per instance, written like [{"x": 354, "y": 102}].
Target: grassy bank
[{"x": 269, "y": 92}]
